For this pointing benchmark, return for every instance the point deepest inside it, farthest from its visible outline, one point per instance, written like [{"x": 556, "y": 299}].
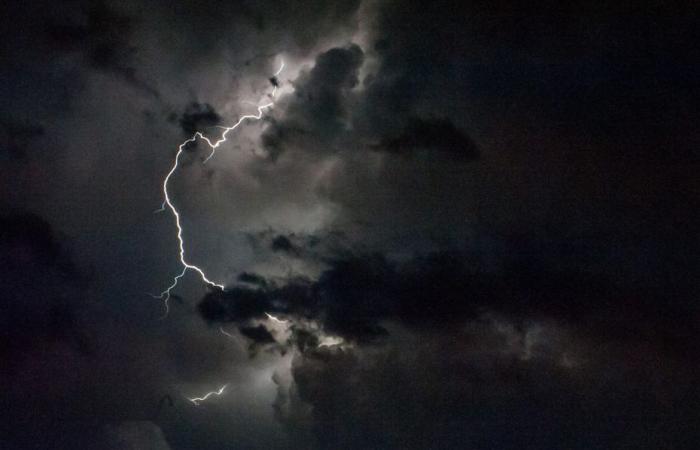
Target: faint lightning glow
[
  {"x": 213, "y": 145},
  {"x": 197, "y": 400},
  {"x": 330, "y": 341},
  {"x": 275, "y": 319},
  {"x": 225, "y": 333}
]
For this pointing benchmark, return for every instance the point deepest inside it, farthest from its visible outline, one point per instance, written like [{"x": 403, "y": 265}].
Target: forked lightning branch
[{"x": 168, "y": 204}]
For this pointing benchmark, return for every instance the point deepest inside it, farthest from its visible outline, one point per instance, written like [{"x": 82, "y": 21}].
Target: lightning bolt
[
  {"x": 197, "y": 400},
  {"x": 167, "y": 203}
]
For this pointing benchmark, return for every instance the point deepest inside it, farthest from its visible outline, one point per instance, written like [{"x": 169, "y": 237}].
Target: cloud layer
[{"x": 460, "y": 226}]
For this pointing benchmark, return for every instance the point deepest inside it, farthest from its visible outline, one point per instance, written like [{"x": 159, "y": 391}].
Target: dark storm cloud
[
  {"x": 240, "y": 304},
  {"x": 303, "y": 339},
  {"x": 606, "y": 71},
  {"x": 354, "y": 296},
  {"x": 552, "y": 356},
  {"x": 321, "y": 113},
  {"x": 197, "y": 117},
  {"x": 16, "y": 137},
  {"x": 467, "y": 390},
  {"x": 258, "y": 334},
  {"x": 102, "y": 34},
  {"x": 73, "y": 374},
  {"x": 30, "y": 230},
  {"x": 317, "y": 113},
  {"x": 432, "y": 134},
  {"x": 251, "y": 278},
  {"x": 547, "y": 337},
  {"x": 41, "y": 303},
  {"x": 38, "y": 285},
  {"x": 508, "y": 197},
  {"x": 309, "y": 247},
  {"x": 282, "y": 244},
  {"x": 84, "y": 359}
]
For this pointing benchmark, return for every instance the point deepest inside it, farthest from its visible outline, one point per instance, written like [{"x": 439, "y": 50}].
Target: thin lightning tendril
[
  {"x": 165, "y": 295},
  {"x": 197, "y": 400},
  {"x": 225, "y": 333}
]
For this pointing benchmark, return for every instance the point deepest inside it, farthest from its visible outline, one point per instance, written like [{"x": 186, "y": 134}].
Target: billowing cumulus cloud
[{"x": 317, "y": 113}]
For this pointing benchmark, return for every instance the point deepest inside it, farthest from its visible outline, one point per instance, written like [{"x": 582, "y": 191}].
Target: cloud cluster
[
  {"x": 461, "y": 226},
  {"x": 504, "y": 300},
  {"x": 553, "y": 356}
]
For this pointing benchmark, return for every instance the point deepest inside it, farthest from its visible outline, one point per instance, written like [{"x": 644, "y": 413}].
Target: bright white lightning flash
[
  {"x": 197, "y": 400},
  {"x": 165, "y": 295}
]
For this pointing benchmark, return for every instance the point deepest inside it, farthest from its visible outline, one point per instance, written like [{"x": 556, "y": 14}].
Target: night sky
[{"x": 466, "y": 225}]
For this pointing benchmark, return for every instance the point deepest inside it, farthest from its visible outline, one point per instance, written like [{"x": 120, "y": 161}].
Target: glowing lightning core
[
  {"x": 197, "y": 400},
  {"x": 165, "y": 295}
]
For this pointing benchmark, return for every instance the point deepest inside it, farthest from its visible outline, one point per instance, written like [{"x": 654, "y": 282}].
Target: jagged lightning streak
[
  {"x": 197, "y": 400},
  {"x": 165, "y": 295}
]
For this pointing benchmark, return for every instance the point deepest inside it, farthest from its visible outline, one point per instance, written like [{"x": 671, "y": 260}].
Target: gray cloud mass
[{"x": 462, "y": 225}]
